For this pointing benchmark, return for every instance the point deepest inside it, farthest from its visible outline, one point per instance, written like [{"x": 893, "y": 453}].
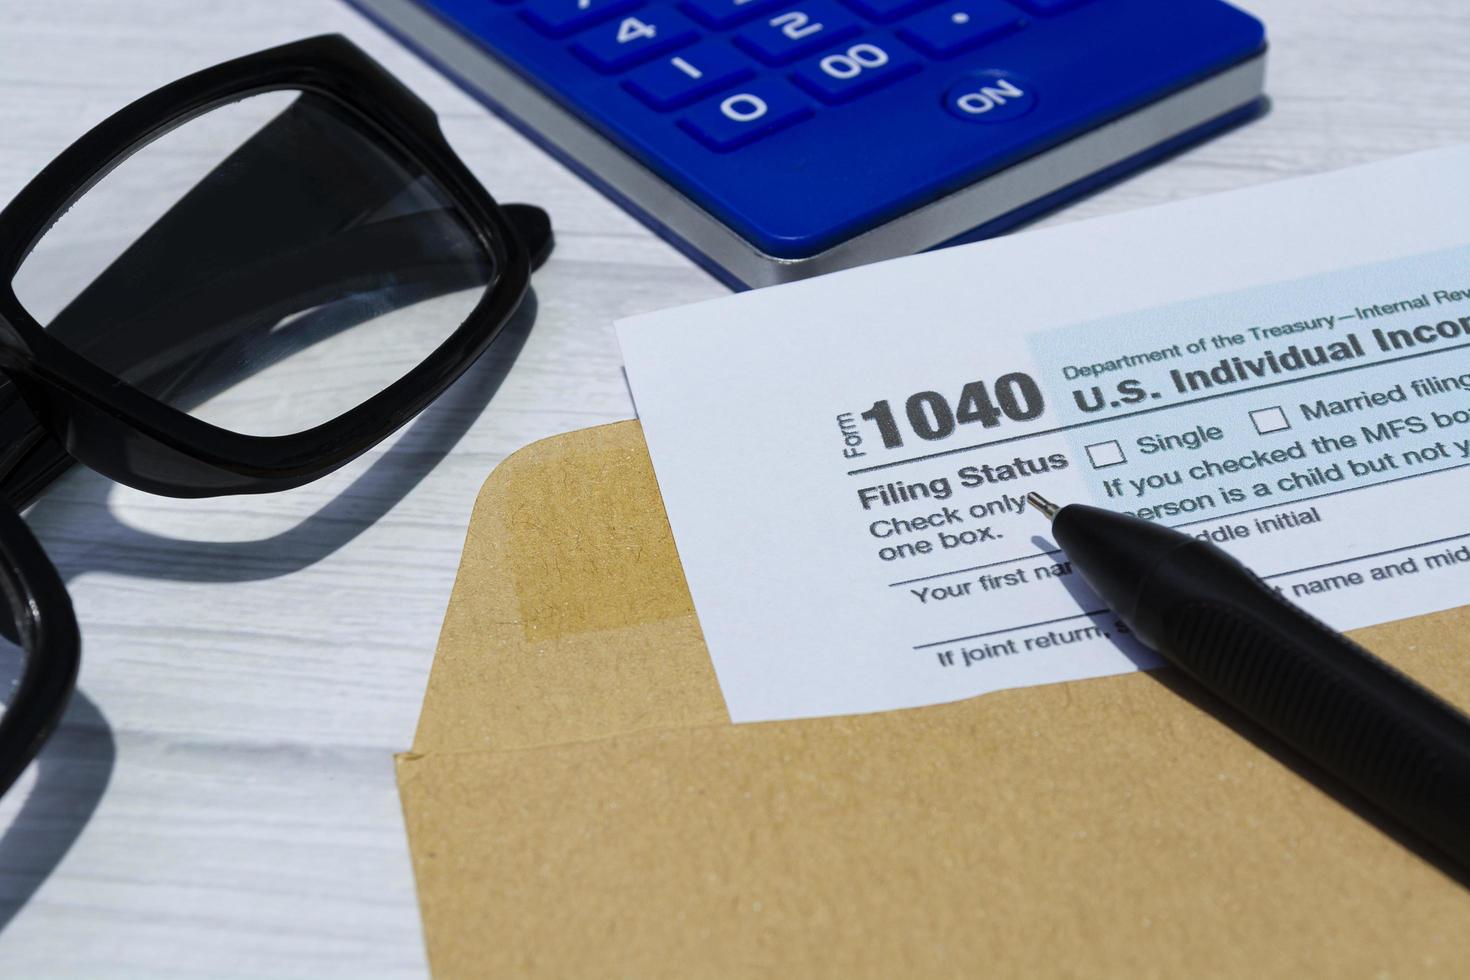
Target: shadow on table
[
  {"x": 72, "y": 773},
  {"x": 74, "y": 768},
  {"x": 114, "y": 547}
]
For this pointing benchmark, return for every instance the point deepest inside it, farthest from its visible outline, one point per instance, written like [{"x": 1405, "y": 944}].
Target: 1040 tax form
[{"x": 1283, "y": 370}]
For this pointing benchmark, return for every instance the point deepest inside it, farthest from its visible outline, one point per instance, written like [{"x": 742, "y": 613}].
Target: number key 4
[{"x": 631, "y": 40}]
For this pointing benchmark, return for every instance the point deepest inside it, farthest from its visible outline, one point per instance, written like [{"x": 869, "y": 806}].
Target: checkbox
[
  {"x": 1104, "y": 454},
  {"x": 1269, "y": 420}
]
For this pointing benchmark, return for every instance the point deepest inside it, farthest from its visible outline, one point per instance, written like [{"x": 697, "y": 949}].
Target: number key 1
[{"x": 693, "y": 73}]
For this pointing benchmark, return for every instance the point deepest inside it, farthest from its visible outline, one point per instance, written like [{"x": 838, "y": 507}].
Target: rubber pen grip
[{"x": 1380, "y": 732}]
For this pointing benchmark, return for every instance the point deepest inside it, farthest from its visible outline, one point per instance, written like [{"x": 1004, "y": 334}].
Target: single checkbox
[
  {"x": 1104, "y": 454},
  {"x": 1269, "y": 420}
]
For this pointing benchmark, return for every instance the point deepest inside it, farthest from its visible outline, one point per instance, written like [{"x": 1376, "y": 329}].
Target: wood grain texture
[{"x": 251, "y": 664}]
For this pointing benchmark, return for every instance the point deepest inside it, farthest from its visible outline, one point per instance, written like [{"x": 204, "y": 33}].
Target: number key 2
[
  {"x": 801, "y": 30},
  {"x": 615, "y": 46},
  {"x": 851, "y": 71}
]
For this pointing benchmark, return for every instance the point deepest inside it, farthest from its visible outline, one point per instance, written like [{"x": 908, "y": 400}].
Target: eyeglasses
[{"x": 237, "y": 284}]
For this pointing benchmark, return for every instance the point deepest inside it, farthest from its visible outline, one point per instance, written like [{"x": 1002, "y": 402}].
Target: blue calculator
[{"x": 776, "y": 139}]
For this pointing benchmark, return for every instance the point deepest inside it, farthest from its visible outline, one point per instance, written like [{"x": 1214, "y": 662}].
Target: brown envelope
[{"x": 578, "y": 803}]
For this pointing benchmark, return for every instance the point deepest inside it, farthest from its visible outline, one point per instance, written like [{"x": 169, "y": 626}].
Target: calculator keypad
[
  {"x": 798, "y": 123},
  {"x": 820, "y": 45}
]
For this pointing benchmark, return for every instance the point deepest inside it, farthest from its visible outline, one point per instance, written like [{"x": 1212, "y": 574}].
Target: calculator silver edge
[{"x": 919, "y": 229}]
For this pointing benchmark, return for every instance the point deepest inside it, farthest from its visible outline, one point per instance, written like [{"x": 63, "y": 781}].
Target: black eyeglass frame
[
  {"x": 99, "y": 419},
  {"x": 135, "y": 439}
]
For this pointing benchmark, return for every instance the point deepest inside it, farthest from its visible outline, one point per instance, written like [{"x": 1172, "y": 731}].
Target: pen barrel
[{"x": 1380, "y": 732}]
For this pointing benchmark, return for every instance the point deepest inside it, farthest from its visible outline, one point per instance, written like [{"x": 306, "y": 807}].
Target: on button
[{"x": 990, "y": 96}]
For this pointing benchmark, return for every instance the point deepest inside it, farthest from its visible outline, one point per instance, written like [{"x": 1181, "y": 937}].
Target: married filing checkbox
[{"x": 1269, "y": 420}]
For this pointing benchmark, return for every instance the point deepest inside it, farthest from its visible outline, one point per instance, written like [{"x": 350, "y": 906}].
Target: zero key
[{"x": 755, "y": 111}]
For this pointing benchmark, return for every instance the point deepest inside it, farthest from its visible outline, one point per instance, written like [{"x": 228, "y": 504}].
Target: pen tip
[{"x": 1043, "y": 506}]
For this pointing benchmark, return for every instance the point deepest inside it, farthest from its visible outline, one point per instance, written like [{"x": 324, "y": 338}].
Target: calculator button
[
  {"x": 558, "y": 18},
  {"x": 756, "y": 110},
  {"x": 633, "y": 39},
  {"x": 990, "y": 96},
  {"x": 960, "y": 25},
  {"x": 693, "y": 73},
  {"x": 721, "y": 14},
  {"x": 801, "y": 30},
  {"x": 886, "y": 10},
  {"x": 1049, "y": 6},
  {"x": 851, "y": 71}
]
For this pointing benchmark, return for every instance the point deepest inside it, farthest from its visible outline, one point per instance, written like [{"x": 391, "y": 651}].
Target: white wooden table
[{"x": 220, "y": 800}]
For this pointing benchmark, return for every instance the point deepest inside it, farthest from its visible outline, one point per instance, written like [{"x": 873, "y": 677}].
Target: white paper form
[{"x": 1284, "y": 370}]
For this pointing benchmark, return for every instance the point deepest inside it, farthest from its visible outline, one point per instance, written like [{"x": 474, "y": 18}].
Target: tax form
[{"x": 1283, "y": 370}]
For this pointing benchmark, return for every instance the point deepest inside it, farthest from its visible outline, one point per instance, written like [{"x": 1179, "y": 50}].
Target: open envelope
[{"x": 578, "y": 803}]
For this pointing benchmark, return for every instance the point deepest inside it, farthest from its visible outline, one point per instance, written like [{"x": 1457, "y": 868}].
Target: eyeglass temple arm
[{"x": 41, "y": 620}]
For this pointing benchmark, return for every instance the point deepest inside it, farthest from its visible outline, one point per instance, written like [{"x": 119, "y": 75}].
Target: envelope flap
[{"x": 569, "y": 618}]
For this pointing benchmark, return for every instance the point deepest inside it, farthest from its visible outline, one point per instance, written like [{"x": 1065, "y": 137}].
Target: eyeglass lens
[{"x": 265, "y": 266}]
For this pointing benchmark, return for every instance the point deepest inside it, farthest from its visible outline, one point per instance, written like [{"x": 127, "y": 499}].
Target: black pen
[{"x": 1403, "y": 749}]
